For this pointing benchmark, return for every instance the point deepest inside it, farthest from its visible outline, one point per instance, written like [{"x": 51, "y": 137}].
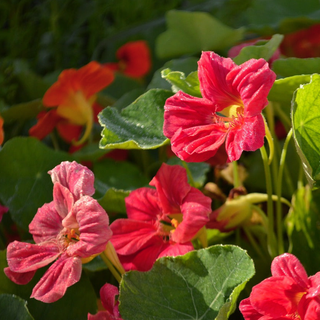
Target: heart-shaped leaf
[
  {"x": 203, "y": 284},
  {"x": 138, "y": 126}
]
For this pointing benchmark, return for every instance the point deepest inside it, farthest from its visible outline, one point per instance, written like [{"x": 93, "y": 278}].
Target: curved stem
[
  {"x": 270, "y": 232},
  {"x": 279, "y": 190},
  {"x": 110, "y": 267},
  {"x": 191, "y": 181}
]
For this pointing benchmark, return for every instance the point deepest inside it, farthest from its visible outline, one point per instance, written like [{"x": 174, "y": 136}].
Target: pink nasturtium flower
[
  {"x": 1, "y": 131},
  {"x": 72, "y": 99},
  {"x": 68, "y": 231},
  {"x": 108, "y": 295},
  {"x": 288, "y": 294},
  {"x": 162, "y": 221},
  {"x": 228, "y": 115}
]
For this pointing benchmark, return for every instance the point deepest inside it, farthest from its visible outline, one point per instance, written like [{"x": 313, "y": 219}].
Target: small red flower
[
  {"x": 73, "y": 97},
  {"x": 162, "y": 221},
  {"x": 288, "y": 294},
  {"x": 134, "y": 59},
  {"x": 303, "y": 43},
  {"x": 68, "y": 231},
  {"x": 108, "y": 295},
  {"x": 228, "y": 114}
]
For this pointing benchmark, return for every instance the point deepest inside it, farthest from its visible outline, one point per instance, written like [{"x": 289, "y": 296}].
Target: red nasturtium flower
[
  {"x": 162, "y": 221},
  {"x": 108, "y": 295},
  {"x": 134, "y": 59},
  {"x": 288, "y": 294},
  {"x": 68, "y": 231},
  {"x": 73, "y": 99},
  {"x": 229, "y": 114},
  {"x": 303, "y": 43}
]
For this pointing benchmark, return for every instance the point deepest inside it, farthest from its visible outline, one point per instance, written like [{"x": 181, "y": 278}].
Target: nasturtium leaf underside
[
  {"x": 257, "y": 51},
  {"x": 14, "y": 308},
  {"x": 193, "y": 32},
  {"x": 306, "y": 128},
  {"x": 25, "y": 184},
  {"x": 179, "y": 81},
  {"x": 78, "y": 300},
  {"x": 202, "y": 284},
  {"x": 296, "y": 66},
  {"x": 138, "y": 126}
]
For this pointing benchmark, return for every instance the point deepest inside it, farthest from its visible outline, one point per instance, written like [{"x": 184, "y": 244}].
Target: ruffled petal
[
  {"x": 69, "y": 132},
  {"x": 309, "y": 309},
  {"x": 108, "y": 295},
  {"x": 65, "y": 272},
  {"x": 172, "y": 186},
  {"x": 253, "y": 80},
  {"x": 74, "y": 176},
  {"x": 196, "y": 208},
  {"x": 183, "y": 111},
  {"x": 94, "y": 228},
  {"x": 63, "y": 199},
  {"x": 198, "y": 144},
  {"x": 276, "y": 297},
  {"x": 288, "y": 265},
  {"x": 130, "y": 236},
  {"x": 245, "y": 136},
  {"x": 46, "y": 224},
  {"x": 25, "y": 257},
  {"x": 19, "y": 277},
  {"x": 212, "y": 72},
  {"x": 47, "y": 121},
  {"x": 176, "y": 249},
  {"x": 143, "y": 204}
]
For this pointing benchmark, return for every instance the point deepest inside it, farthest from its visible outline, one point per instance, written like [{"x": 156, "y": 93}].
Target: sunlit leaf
[
  {"x": 138, "y": 126},
  {"x": 306, "y": 127},
  {"x": 193, "y": 32},
  {"x": 203, "y": 284}
]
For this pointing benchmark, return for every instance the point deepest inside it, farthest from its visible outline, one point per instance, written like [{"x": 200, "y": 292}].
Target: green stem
[
  {"x": 279, "y": 190},
  {"x": 236, "y": 181},
  {"x": 191, "y": 181},
  {"x": 254, "y": 243},
  {"x": 111, "y": 267},
  {"x": 270, "y": 233}
]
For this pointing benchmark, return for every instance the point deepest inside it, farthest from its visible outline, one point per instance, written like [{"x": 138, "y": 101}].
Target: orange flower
[
  {"x": 73, "y": 97},
  {"x": 1, "y": 131},
  {"x": 134, "y": 59}
]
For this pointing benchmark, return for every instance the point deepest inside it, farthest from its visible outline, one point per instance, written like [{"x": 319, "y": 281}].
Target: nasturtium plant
[
  {"x": 188, "y": 33},
  {"x": 202, "y": 284},
  {"x": 305, "y": 124},
  {"x": 296, "y": 66},
  {"x": 138, "y": 126}
]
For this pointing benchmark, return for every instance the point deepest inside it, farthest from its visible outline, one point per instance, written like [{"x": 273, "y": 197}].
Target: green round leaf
[
  {"x": 202, "y": 284},
  {"x": 13, "y": 308}
]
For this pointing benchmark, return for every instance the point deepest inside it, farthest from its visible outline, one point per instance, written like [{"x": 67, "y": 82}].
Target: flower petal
[
  {"x": 108, "y": 295},
  {"x": 74, "y": 176},
  {"x": 184, "y": 111},
  {"x": 25, "y": 257},
  {"x": 143, "y": 204},
  {"x": 65, "y": 272},
  {"x": 212, "y": 72},
  {"x": 253, "y": 80},
  {"x": 276, "y": 297},
  {"x": 246, "y": 137},
  {"x": 289, "y": 266},
  {"x": 19, "y": 277},
  {"x": 172, "y": 186},
  {"x": 46, "y": 224},
  {"x": 94, "y": 228},
  {"x": 63, "y": 199},
  {"x": 248, "y": 311},
  {"x": 130, "y": 236},
  {"x": 196, "y": 208}
]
